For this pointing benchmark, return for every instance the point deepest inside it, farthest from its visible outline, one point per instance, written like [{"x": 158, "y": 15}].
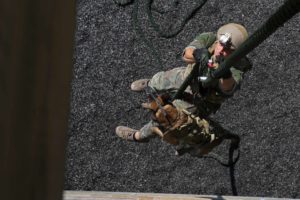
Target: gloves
[
  {"x": 226, "y": 73},
  {"x": 201, "y": 55},
  {"x": 212, "y": 81}
]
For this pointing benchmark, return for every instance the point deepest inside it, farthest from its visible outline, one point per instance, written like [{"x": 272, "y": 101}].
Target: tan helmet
[{"x": 232, "y": 35}]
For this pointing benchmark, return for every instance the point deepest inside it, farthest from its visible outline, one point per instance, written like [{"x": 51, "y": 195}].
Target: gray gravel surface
[{"x": 110, "y": 53}]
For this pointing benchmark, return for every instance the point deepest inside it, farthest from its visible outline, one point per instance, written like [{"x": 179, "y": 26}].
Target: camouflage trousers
[{"x": 170, "y": 81}]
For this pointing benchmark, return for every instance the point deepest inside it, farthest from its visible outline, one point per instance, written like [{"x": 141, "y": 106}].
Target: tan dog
[{"x": 165, "y": 114}]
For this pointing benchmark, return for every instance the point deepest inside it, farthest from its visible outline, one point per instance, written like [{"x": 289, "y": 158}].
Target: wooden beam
[
  {"x": 94, "y": 195},
  {"x": 36, "y": 49}
]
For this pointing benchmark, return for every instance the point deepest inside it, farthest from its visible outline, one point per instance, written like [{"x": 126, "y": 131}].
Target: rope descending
[{"x": 162, "y": 33}]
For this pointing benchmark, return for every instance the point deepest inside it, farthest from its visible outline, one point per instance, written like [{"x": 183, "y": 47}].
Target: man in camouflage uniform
[{"x": 200, "y": 98}]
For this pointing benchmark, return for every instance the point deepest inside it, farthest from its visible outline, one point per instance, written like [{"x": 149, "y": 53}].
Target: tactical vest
[{"x": 180, "y": 127}]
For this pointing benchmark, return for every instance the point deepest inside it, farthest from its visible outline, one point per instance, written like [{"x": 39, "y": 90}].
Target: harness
[{"x": 190, "y": 133}]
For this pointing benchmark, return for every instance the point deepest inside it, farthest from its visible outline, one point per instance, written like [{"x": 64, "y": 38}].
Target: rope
[
  {"x": 168, "y": 33},
  {"x": 220, "y": 160},
  {"x": 283, "y": 14},
  {"x": 224, "y": 135},
  {"x": 123, "y": 2},
  {"x": 155, "y": 26},
  {"x": 187, "y": 81},
  {"x": 234, "y": 145},
  {"x": 139, "y": 32}
]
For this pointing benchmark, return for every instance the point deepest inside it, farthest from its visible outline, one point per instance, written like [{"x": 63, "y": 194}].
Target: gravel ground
[{"x": 112, "y": 49}]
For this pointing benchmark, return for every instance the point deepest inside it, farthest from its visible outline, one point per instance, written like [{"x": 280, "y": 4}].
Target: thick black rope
[
  {"x": 187, "y": 81},
  {"x": 282, "y": 15}
]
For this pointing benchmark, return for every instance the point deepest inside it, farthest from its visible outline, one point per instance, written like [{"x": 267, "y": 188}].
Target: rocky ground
[{"x": 116, "y": 45}]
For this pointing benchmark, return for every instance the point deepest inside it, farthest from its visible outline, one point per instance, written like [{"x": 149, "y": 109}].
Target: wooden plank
[
  {"x": 93, "y": 195},
  {"x": 36, "y": 49}
]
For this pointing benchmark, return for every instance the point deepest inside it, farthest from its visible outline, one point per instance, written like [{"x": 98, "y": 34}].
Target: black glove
[
  {"x": 201, "y": 55},
  {"x": 212, "y": 81},
  {"x": 226, "y": 73}
]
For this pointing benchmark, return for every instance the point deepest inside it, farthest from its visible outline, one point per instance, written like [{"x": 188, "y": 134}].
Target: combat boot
[
  {"x": 127, "y": 133},
  {"x": 139, "y": 85}
]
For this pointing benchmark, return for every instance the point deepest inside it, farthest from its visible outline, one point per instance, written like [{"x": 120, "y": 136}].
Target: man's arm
[
  {"x": 204, "y": 40},
  {"x": 227, "y": 85},
  {"x": 188, "y": 55},
  {"x": 230, "y": 85}
]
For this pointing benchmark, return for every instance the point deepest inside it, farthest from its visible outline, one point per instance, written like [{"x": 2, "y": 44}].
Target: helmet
[{"x": 232, "y": 35}]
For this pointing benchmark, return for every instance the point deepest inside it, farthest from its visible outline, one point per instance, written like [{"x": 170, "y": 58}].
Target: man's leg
[
  {"x": 163, "y": 81},
  {"x": 139, "y": 85},
  {"x": 142, "y": 135},
  {"x": 169, "y": 80}
]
